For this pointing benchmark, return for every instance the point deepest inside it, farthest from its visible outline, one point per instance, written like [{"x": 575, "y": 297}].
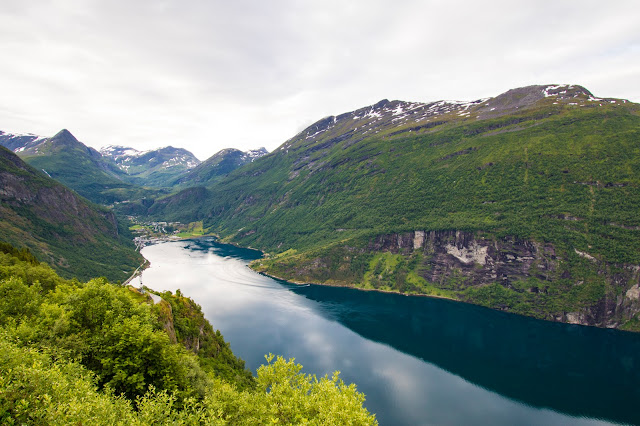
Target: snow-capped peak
[{"x": 118, "y": 151}]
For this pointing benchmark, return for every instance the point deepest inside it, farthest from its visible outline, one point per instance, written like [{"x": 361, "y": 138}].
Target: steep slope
[
  {"x": 96, "y": 353},
  {"x": 75, "y": 165},
  {"x": 525, "y": 202},
  {"x": 155, "y": 168},
  {"x": 218, "y": 165},
  {"x": 76, "y": 237}
]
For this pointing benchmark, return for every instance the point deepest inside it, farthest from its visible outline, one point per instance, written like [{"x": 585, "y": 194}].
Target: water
[{"x": 418, "y": 360}]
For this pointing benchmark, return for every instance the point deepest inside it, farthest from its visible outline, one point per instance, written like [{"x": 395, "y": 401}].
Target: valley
[
  {"x": 525, "y": 202},
  {"x": 319, "y": 213}
]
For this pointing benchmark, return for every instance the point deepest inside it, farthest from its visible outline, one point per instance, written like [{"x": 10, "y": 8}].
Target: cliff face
[
  {"x": 509, "y": 274},
  {"x": 477, "y": 260},
  {"x": 522, "y": 267}
]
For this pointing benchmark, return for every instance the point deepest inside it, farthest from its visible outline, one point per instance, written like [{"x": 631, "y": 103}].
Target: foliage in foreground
[
  {"x": 35, "y": 389},
  {"x": 96, "y": 353}
]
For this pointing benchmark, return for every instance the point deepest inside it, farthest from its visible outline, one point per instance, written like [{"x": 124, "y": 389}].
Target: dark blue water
[{"x": 418, "y": 360}]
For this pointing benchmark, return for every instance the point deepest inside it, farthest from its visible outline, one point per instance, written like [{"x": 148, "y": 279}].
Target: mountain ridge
[
  {"x": 403, "y": 116},
  {"x": 519, "y": 166},
  {"x": 72, "y": 163},
  {"x": 218, "y": 165},
  {"x": 157, "y": 167}
]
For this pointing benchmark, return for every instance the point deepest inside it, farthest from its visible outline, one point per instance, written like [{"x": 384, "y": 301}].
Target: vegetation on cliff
[{"x": 94, "y": 352}]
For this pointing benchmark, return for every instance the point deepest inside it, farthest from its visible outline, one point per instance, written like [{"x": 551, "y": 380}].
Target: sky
[{"x": 207, "y": 74}]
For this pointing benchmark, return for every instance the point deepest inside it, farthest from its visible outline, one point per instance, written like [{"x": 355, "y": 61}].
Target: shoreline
[
  {"x": 306, "y": 283},
  {"x": 158, "y": 240},
  {"x": 301, "y": 283},
  {"x": 144, "y": 265},
  {"x": 142, "y": 242}
]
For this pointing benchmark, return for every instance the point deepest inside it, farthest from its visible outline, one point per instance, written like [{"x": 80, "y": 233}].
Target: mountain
[
  {"x": 219, "y": 165},
  {"x": 525, "y": 202},
  {"x": 75, "y": 165},
  {"x": 155, "y": 168},
  {"x": 76, "y": 237},
  {"x": 20, "y": 142}
]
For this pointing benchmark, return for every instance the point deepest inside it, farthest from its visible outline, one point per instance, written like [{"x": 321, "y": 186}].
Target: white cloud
[{"x": 206, "y": 75}]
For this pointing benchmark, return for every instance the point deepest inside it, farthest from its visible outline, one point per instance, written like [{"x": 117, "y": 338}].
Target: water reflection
[
  {"x": 418, "y": 360},
  {"x": 573, "y": 369}
]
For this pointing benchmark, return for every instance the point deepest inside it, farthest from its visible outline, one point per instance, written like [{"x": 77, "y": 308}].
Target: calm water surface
[{"x": 419, "y": 361}]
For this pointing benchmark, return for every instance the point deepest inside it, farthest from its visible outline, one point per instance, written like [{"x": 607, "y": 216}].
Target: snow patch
[
  {"x": 373, "y": 114},
  {"x": 315, "y": 134},
  {"x": 397, "y": 111}
]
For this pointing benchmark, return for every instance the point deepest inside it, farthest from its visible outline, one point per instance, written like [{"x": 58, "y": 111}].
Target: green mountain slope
[
  {"x": 76, "y": 237},
  {"x": 526, "y": 202},
  {"x": 218, "y": 165},
  {"x": 76, "y": 166}
]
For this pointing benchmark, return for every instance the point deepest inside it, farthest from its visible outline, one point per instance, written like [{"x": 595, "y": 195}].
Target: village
[{"x": 147, "y": 233}]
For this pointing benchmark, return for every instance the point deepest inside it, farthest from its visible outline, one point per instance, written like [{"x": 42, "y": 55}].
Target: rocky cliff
[
  {"x": 520, "y": 266},
  {"x": 509, "y": 274}
]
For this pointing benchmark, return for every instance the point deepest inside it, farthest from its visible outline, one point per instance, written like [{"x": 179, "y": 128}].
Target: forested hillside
[
  {"x": 78, "y": 238},
  {"x": 97, "y": 353},
  {"x": 526, "y": 202}
]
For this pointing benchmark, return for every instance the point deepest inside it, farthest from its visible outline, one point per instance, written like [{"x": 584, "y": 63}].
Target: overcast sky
[{"x": 206, "y": 74}]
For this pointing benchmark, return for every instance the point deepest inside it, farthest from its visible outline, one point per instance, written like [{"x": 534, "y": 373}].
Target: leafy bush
[{"x": 96, "y": 353}]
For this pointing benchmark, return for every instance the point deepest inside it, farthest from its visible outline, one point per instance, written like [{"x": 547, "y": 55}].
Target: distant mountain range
[
  {"x": 219, "y": 165},
  {"x": 118, "y": 173},
  {"x": 155, "y": 168},
  {"x": 73, "y": 164},
  {"x": 63, "y": 228}
]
